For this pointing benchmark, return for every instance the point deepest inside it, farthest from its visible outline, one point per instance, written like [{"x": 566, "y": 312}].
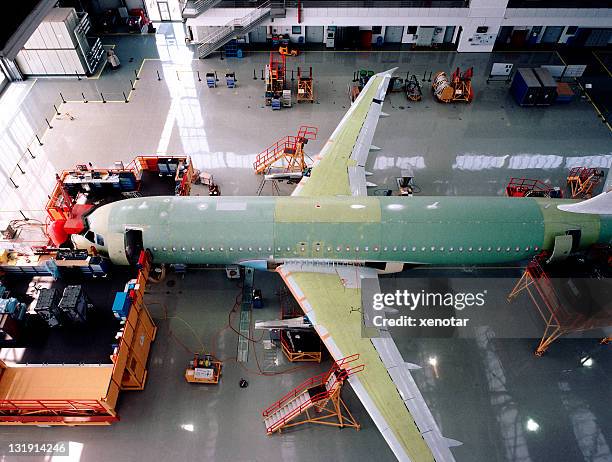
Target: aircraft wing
[
  {"x": 331, "y": 297},
  {"x": 339, "y": 169}
]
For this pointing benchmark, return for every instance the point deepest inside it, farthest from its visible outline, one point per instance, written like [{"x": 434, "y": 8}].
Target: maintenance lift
[
  {"x": 305, "y": 87},
  {"x": 289, "y": 151},
  {"x": 317, "y": 400},
  {"x": 275, "y": 79}
]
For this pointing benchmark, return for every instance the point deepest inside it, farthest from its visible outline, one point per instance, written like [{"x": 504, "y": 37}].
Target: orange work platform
[{"x": 288, "y": 151}]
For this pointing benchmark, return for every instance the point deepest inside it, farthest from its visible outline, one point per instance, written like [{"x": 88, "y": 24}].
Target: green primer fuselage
[{"x": 419, "y": 230}]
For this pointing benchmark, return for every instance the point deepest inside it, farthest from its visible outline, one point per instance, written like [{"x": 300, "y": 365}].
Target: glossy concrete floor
[{"x": 483, "y": 391}]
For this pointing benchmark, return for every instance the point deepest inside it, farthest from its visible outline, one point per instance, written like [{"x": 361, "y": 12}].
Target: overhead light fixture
[
  {"x": 357, "y": 206},
  {"x": 532, "y": 425},
  {"x": 433, "y": 361},
  {"x": 587, "y": 361},
  {"x": 188, "y": 427},
  {"x": 395, "y": 206}
]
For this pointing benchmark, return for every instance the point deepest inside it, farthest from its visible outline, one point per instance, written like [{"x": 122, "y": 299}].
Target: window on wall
[
  {"x": 376, "y": 30},
  {"x": 412, "y": 30},
  {"x": 296, "y": 30}
]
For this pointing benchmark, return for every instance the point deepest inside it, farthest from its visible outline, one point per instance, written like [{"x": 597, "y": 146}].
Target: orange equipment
[
  {"x": 559, "y": 318},
  {"x": 582, "y": 181},
  {"x": 457, "y": 88},
  {"x": 289, "y": 150},
  {"x": 320, "y": 394},
  {"x": 286, "y": 51},
  {"x": 203, "y": 370},
  {"x": 275, "y": 77}
]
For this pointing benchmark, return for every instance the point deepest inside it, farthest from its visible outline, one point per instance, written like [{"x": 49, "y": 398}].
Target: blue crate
[{"x": 121, "y": 305}]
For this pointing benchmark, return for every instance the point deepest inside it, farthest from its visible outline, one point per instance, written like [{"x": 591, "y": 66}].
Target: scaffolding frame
[
  {"x": 305, "y": 92},
  {"x": 582, "y": 181},
  {"x": 558, "y": 319},
  {"x": 299, "y": 356}
]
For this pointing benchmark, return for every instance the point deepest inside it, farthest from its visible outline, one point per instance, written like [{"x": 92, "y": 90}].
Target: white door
[
  {"x": 314, "y": 34},
  {"x": 393, "y": 34},
  {"x": 164, "y": 11},
  {"x": 258, "y": 35},
  {"x": 425, "y": 36}
]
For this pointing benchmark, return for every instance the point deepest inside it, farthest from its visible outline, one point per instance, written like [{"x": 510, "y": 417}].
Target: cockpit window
[
  {"x": 99, "y": 240},
  {"x": 89, "y": 235}
]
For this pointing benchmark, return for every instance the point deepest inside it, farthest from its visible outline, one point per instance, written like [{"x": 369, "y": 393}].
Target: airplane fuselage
[{"x": 415, "y": 230}]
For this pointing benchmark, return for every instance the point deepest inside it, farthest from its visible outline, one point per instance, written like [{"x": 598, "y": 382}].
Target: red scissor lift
[
  {"x": 276, "y": 77},
  {"x": 559, "y": 319}
]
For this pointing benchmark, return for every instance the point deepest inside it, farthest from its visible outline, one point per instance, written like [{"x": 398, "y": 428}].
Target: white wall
[{"x": 490, "y": 13}]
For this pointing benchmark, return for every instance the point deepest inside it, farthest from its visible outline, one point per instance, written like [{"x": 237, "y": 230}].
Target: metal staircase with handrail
[
  {"x": 321, "y": 394},
  {"x": 194, "y": 8},
  {"x": 290, "y": 148},
  {"x": 234, "y": 28}
]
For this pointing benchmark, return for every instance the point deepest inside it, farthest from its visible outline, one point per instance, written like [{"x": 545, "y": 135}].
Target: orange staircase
[
  {"x": 317, "y": 400},
  {"x": 288, "y": 150}
]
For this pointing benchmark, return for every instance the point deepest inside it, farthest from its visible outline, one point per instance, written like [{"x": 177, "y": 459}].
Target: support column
[{"x": 482, "y": 14}]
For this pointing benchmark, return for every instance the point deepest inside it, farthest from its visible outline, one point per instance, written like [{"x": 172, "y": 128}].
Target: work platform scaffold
[{"x": 559, "y": 318}]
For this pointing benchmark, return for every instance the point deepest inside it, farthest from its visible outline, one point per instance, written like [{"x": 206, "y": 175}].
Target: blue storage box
[{"x": 121, "y": 305}]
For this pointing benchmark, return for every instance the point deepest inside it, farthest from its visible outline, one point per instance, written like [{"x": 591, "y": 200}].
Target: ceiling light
[{"x": 532, "y": 425}]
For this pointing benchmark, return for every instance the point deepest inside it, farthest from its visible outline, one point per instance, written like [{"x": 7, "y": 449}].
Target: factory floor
[{"x": 490, "y": 393}]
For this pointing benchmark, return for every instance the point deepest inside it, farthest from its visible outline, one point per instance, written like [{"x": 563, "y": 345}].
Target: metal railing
[
  {"x": 191, "y": 9},
  {"x": 356, "y": 4},
  {"x": 225, "y": 33}
]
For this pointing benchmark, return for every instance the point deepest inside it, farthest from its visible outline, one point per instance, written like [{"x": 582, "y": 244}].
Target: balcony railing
[{"x": 354, "y": 4}]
